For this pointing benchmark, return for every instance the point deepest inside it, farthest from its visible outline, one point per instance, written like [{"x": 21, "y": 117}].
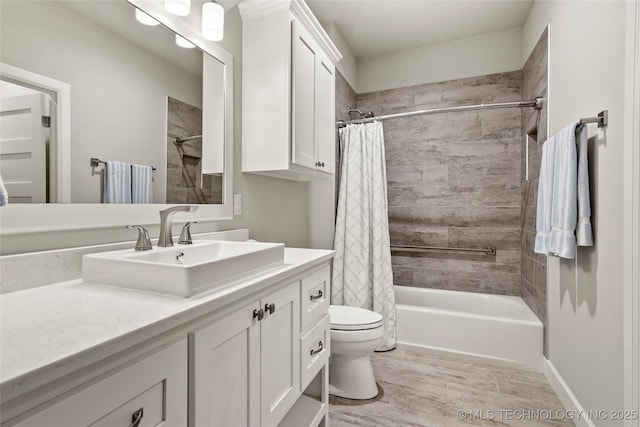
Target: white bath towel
[
  {"x": 584, "y": 235},
  {"x": 141, "y": 184},
  {"x": 4, "y": 196},
  {"x": 545, "y": 192},
  {"x": 557, "y": 211},
  {"x": 117, "y": 182}
]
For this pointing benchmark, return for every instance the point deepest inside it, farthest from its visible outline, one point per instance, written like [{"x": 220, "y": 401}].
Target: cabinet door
[
  {"x": 224, "y": 371},
  {"x": 153, "y": 390},
  {"x": 325, "y": 136},
  {"x": 303, "y": 51},
  {"x": 280, "y": 354}
]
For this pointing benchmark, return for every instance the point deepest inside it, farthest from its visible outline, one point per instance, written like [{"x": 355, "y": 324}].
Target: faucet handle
[
  {"x": 185, "y": 234},
  {"x": 144, "y": 242}
]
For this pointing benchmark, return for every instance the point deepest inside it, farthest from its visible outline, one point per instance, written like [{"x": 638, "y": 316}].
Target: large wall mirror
[{"x": 137, "y": 111}]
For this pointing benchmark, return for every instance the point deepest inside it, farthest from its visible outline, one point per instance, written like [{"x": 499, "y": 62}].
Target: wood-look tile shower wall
[
  {"x": 454, "y": 180},
  {"x": 184, "y": 162}
]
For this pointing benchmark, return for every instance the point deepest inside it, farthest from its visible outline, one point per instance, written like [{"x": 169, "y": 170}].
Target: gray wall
[
  {"x": 591, "y": 70},
  {"x": 454, "y": 180},
  {"x": 345, "y": 97},
  {"x": 534, "y": 266},
  {"x": 456, "y": 59}
]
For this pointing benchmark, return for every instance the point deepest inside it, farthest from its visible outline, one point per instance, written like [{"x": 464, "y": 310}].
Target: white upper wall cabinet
[{"x": 288, "y": 91}]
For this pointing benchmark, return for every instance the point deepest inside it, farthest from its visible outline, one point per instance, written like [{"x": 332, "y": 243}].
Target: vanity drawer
[
  {"x": 156, "y": 386},
  {"x": 315, "y": 347},
  {"x": 147, "y": 406},
  {"x": 314, "y": 301}
]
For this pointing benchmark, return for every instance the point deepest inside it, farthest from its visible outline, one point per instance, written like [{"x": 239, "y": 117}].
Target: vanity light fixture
[
  {"x": 178, "y": 7},
  {"x": 145, "y": 19},
  {"x": 182, "y": 42},
  {"x": 212, "y": 21}
]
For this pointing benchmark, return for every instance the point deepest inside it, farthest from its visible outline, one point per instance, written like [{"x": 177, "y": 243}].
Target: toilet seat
[{"x": 346, "y": 318}]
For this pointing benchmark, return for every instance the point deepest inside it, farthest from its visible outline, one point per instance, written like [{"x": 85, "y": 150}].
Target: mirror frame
[{"x": 16, "y": 219}]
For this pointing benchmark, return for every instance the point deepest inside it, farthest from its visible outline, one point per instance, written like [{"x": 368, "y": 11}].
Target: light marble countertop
[{"x": 51, "y": 331}]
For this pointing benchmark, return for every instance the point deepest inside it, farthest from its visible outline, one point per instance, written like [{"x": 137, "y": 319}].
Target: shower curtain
[{"x": 362, "y": 275}]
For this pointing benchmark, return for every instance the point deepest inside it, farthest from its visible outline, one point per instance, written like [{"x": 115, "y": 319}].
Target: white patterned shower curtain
[{"x": 362, "y": 275}]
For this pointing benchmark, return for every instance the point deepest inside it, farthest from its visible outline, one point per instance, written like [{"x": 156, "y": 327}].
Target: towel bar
[
  {"x": 96, "y": 162},
  {"x": 602, "y": 120}
]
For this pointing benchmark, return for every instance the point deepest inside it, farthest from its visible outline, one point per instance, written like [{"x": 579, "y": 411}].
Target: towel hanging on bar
[
  {"x": 117, "y": 182},
  {"x": 141, "y": 184},
  {"x": 563, "y": 218},
  {"x": 584, "y": 234}
]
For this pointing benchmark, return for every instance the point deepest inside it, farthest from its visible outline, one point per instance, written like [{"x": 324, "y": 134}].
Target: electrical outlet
[{"x": 237, "y": 204}]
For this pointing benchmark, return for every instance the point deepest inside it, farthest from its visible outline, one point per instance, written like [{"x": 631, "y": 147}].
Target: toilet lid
[{"x": 345, "y": 318}]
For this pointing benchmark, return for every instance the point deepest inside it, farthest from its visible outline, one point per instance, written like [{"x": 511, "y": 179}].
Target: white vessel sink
[{"x": 182, "y": 270}]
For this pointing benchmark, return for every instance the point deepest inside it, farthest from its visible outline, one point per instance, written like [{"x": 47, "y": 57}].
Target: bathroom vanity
[{"x": 251, "y": 353}]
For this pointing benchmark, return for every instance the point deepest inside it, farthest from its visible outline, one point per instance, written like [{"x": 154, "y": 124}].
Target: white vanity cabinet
[
  {"x": 150, "y": 392},
  {"x": 288, "y": 78},
  {"x": 254, "y": 365},
  {"x": 311, "y": 408},
  {"x": 245, "y": 367},
  {"x": 258, "y": 359},
  {"x": 224, "y": 371}
]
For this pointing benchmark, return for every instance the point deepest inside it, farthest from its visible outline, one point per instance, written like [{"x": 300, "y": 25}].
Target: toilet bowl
[{"x": 355, "y": 334}]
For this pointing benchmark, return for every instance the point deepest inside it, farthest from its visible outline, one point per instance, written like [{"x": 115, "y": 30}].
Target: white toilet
[{"x": 355, "y": 334}]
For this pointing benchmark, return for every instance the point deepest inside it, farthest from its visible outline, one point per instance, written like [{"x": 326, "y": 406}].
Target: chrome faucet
[
  {"x": 165, "y": 239},
  {"x": 143, "y": 243},
  {"x": 185, "y": 234}
]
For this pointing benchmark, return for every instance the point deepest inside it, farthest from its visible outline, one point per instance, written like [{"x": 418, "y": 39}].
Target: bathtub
[{"x": 495, "y": 327}]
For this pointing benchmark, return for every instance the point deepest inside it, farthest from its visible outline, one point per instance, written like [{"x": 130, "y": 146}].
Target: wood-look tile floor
[{"x": 419, "y": 387}]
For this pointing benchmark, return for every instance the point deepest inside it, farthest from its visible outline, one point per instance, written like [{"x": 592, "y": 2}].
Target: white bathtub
[{"x": 497, "y": 327}]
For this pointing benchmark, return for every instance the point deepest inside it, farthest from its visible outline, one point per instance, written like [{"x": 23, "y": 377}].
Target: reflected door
[{"x": 23, "y": 148}]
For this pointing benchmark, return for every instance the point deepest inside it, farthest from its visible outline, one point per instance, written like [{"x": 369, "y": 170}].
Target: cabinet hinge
[{"x": 46, "y": 121}]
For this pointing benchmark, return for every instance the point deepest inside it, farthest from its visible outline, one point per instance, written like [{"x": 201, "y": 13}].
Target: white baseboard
[{"x": 566, "y": 396}]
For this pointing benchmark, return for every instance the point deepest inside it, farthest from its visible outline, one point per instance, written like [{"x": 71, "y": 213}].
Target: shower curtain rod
[{"x": 535, "y": 103}]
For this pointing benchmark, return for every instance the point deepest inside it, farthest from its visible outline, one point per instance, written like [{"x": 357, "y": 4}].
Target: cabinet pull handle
[
  {"x": 136, "y": 417},
  {"x": 317, "y": 164},
  {"x": 258, "y": 314},
  {"x": 322, "y": 164},
  {"x": 270, "y": 308},
  {"x": 316, "y": 296},
  {"x": 320, "y": 348}
]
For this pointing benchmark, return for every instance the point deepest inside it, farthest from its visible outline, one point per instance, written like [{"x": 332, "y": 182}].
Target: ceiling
[{"x": 376, "y": 26}]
